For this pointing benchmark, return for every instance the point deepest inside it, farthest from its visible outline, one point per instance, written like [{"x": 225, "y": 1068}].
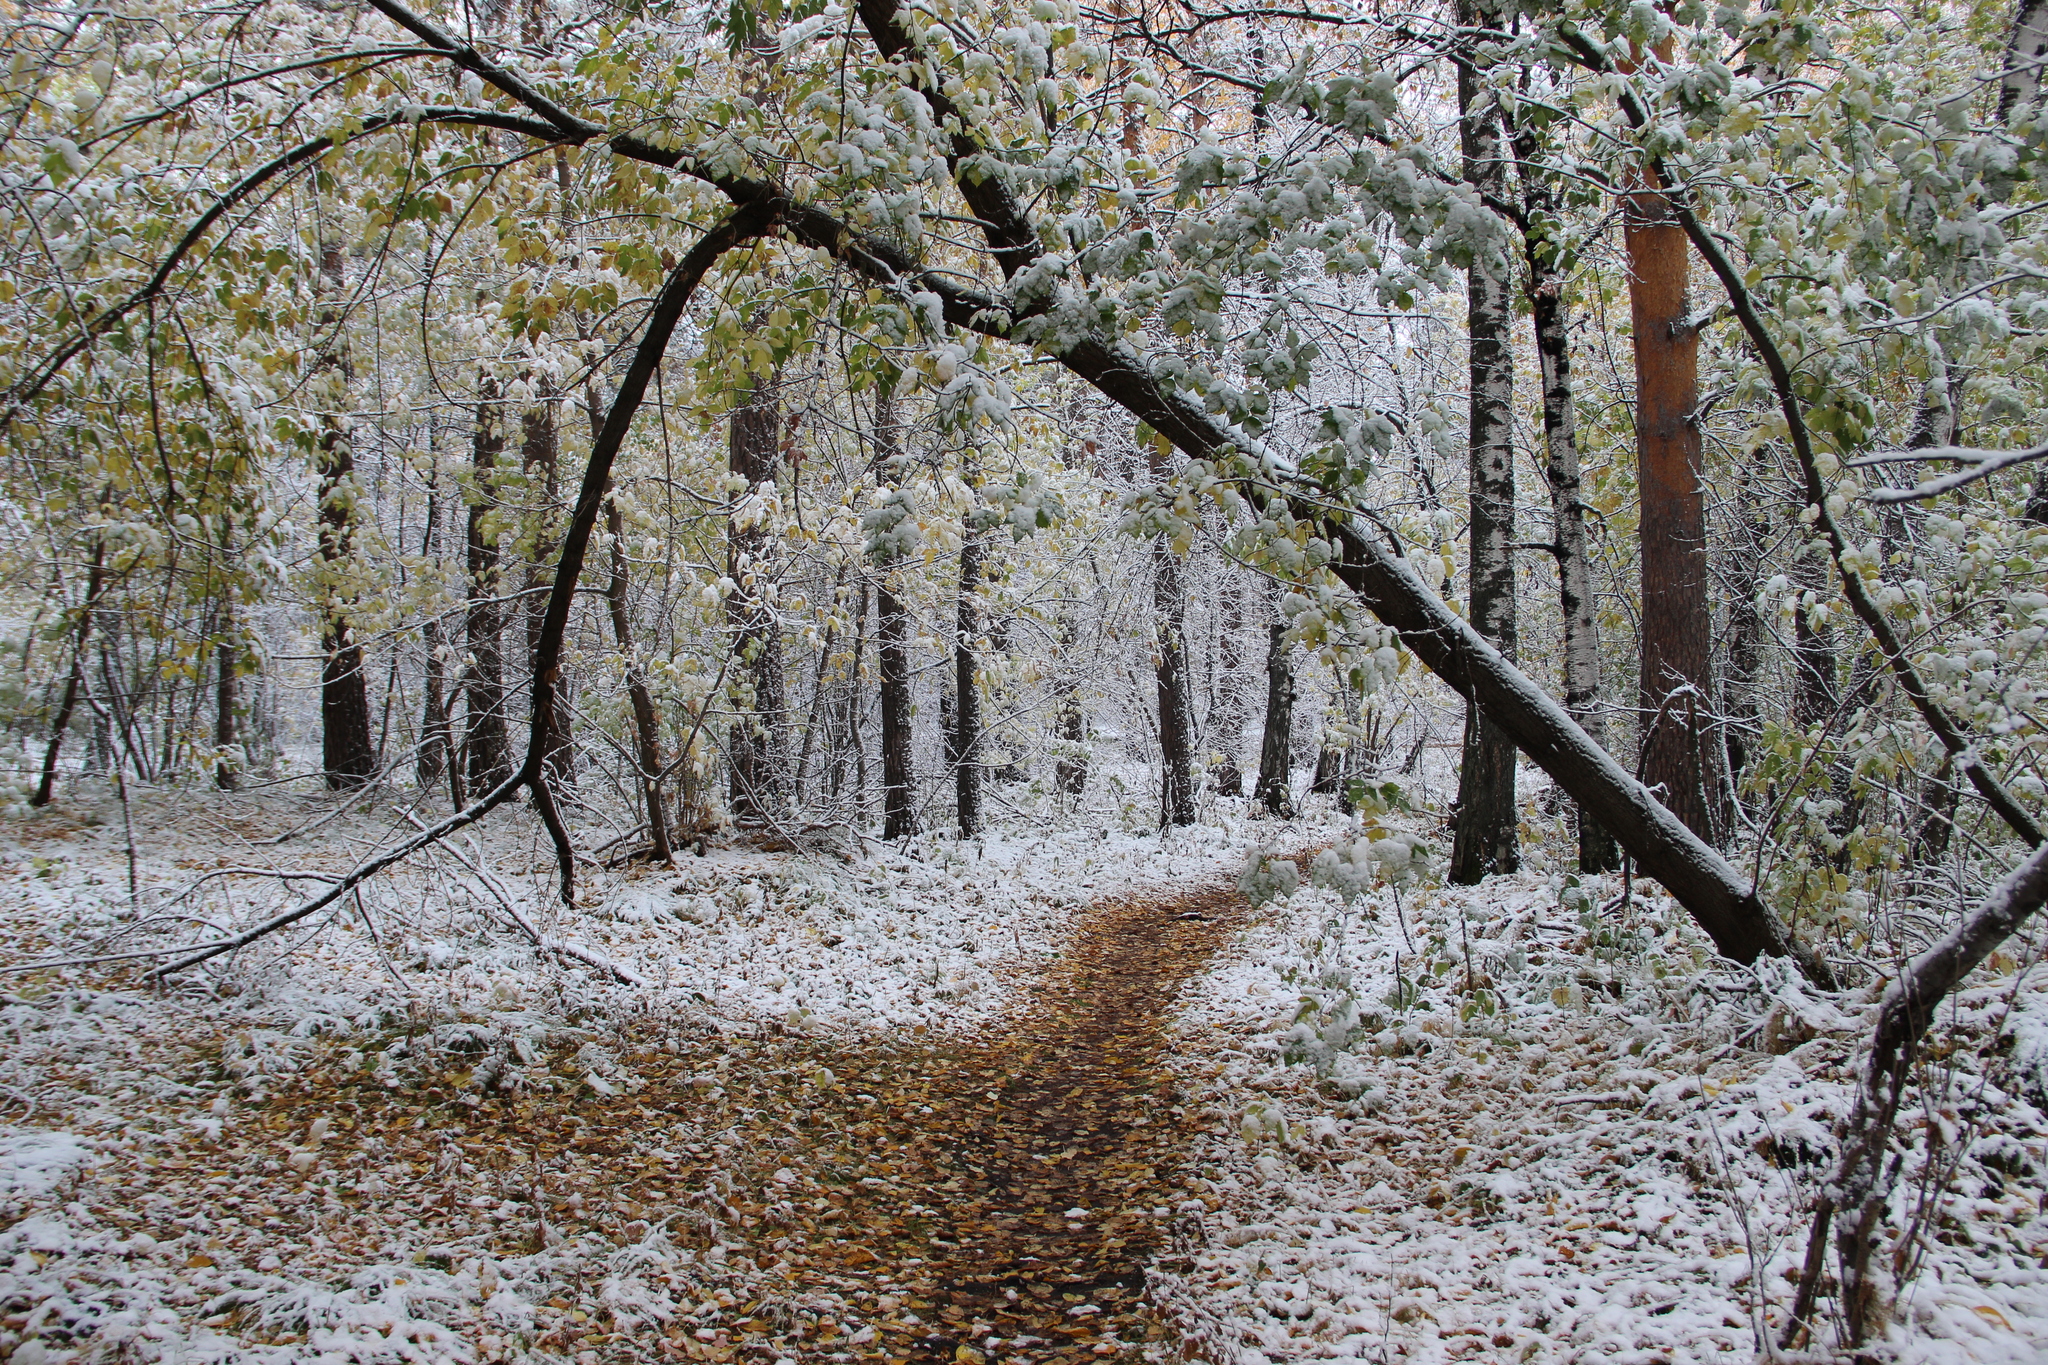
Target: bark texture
[
  {"x": 1176, "y": 712},
  {"x": 646, "y": 720},
  {"x": 1551, "y": 316},
  {"x": 74, "y": 677},
  {"x": 488, "y": 763},
  {"x": 965, "y": 742},
  {"x": 1485, "y": 841},
  {"x": 1224, "y": 733},
  {"x": 348, "y": 754},
  {"x": 756, "y": 743},
  {"x": 1678, "y": 753},
  {"x": 1276, "y": 743}
]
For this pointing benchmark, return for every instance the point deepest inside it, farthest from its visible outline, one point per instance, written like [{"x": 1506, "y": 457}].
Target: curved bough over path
[{"x": 994, "y": 1196}]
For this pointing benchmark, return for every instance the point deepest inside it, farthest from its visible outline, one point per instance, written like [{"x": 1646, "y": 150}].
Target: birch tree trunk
[
  {"x": 1485, "y": 841},
  {"x": 1551, "y": 317}
]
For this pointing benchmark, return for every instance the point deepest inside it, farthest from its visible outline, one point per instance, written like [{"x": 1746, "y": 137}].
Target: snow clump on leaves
[{"x": 1267, "y": 877}]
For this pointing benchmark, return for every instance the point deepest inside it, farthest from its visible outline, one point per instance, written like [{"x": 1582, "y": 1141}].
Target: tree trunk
[
  {"x": 540, "y": 457},
  {"x": 1677, "y": 753},
  {"x": 1070, "y": 721},
  {"x": 227, "y": 768},
  {"x": 1742, "y": 663},
  {"x": 892, "y": 653},
  {"x": 1225, "y": 730},
  {"x": 436, "y": 742},
  {"x": 1814, "y": 665},
  {"x": 646, "y": 721},
  {"x": 892, "y": 648},
  {"x": 754, "y": 746},
  {"x": 484, "y": 623},
  {"x": 74, "y": 680},
  {"x": 966, "y": 738},
  {"x": 1276, "y": 745},
  {"x": 1485, "y": 841},
  {"x": 1176, "y": 714},
  {"x": 1861, "y": 1187},
  {"x": 1581, "y": 629},
  {"x": 348, "y": 755},
  {"x": 2026, "y": 48}
]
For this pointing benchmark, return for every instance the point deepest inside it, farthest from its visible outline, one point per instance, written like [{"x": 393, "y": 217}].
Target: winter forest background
[{"x": 526, "y": 453}]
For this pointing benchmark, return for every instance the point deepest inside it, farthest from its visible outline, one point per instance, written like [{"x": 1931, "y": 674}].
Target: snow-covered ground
[
  {"x": 167, "y": 1197},
  {"x": 1585, "y": 1150},
  {"x": 1522, "y": 1122}
]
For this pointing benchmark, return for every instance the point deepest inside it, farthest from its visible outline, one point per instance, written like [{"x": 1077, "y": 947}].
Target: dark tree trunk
[
  {"x": 540, "y": 456},
  {"x": 646, "y": 721},
  {"x": 1814, "y": 665},
  {"x": 1678, "y": 755},
  {"x": 484, "y": 625},
  {"x": 1742, "y": 662},
  {"x": 1227, "y": 711},
  {"x": 965, "y": 747},
  {"x": 1485, "y": 840},
  {"x": 227, "y": 658},
  {"x": 348, "y": 753},
  {"x": 74, "y": 680},
  {"x": 755, "y": 744},
  {"x": 1276, "y": 746},
  {"x": 1176, "y": 714},
  {"x": 892, "y": 648},
  {"x": 435, "y": 740},
  {"x": 1070, "y": 721}
]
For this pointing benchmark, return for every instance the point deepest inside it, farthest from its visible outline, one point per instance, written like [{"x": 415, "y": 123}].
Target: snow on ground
[
  {"x": 1521, "y": 1129},
  {"x": 166, "y": 1197}
]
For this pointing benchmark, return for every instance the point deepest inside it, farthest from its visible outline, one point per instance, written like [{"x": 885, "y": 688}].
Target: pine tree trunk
[
  {"x": 1276, "y": 745},
  {"x": 966, "y": 738},
  {"x": 1176, "y": 713},
  {"x": 484, "y": 622},
  {"x": 348, "y": 754},
  {"x": 1485, "y": 840},
  {"x": 1678, "y": 756}
]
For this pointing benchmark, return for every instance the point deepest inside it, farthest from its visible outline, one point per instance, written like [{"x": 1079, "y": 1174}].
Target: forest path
[
  {"x": 986, "y": 1196},
  {"x": 1044, "y": 1175}
]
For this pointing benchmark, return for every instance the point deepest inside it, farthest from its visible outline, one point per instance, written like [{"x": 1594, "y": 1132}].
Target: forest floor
[{"x": 1062, "y": 1096}]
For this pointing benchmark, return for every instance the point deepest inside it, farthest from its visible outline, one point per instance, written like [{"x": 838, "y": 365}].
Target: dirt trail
[
  {"x": 1051, "y": 1158},
  {"x": 987, "y": 1197}
]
